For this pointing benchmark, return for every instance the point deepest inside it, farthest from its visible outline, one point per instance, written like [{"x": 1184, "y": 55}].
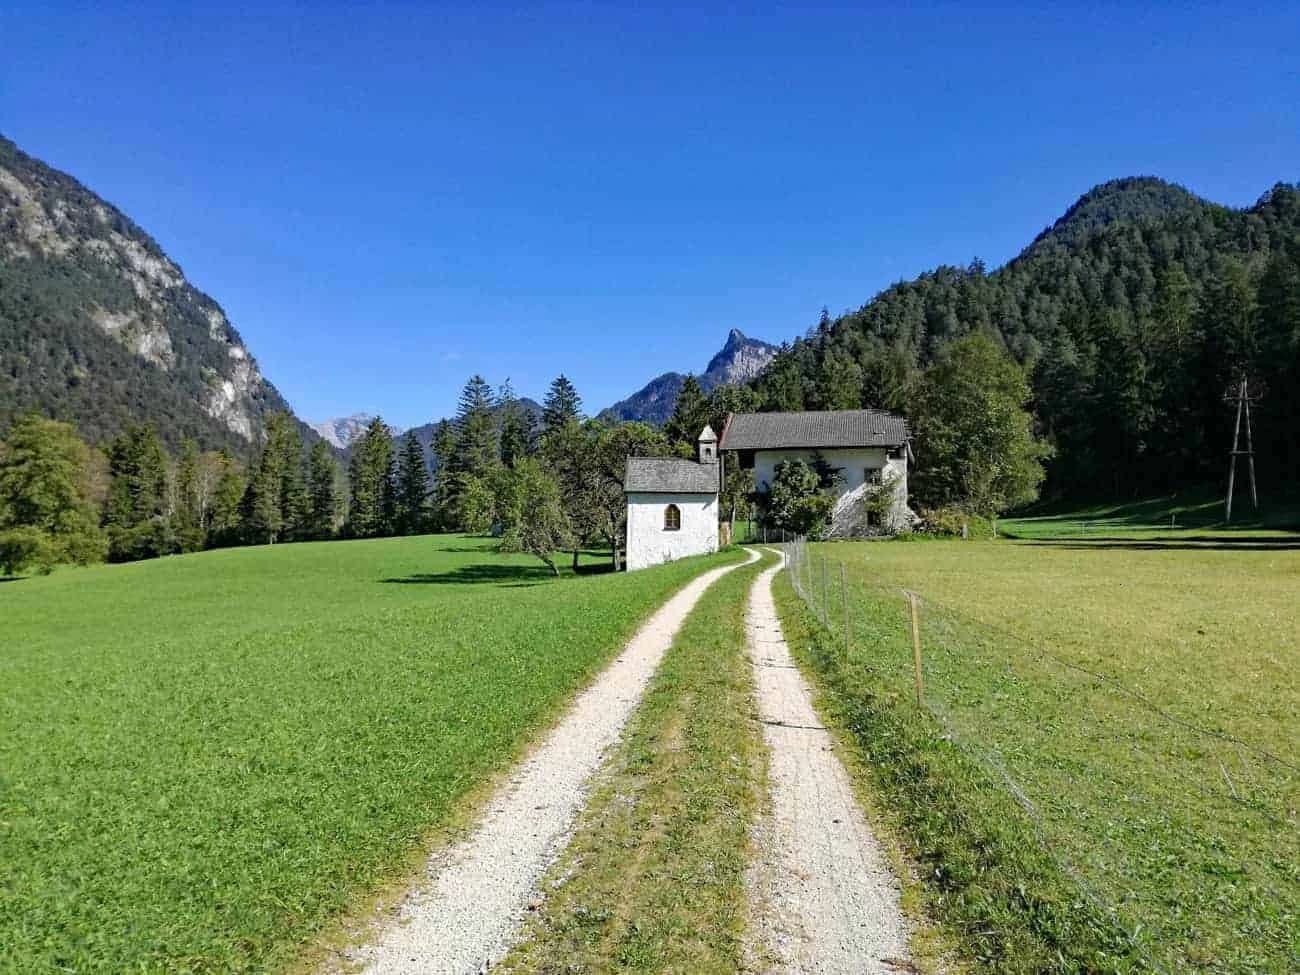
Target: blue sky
[{"x": 389, "y": 198}]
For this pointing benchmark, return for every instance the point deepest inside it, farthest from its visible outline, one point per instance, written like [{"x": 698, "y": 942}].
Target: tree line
[{"x": 543, "y": 484}]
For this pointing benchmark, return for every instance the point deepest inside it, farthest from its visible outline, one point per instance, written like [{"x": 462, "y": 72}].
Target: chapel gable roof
[{"x": 670, "y": 475}]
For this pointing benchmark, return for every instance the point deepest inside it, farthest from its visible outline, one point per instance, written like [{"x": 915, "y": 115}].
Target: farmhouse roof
[
  {"x": 828, "y": 428},
  {"x": 670, "y": 475}
]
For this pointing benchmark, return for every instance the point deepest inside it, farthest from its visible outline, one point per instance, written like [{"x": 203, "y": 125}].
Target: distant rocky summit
[
  {"x": 739, "y": 360},
  {"x": 99, "y": 327},
  {"x": 342, "y": 430}
]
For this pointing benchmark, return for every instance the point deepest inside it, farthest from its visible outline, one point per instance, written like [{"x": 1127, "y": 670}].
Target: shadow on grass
[
  {"x": 502, "y": 575},
  {"x": 10, "y": 578},
  {"x": 1194, "y": 543}
]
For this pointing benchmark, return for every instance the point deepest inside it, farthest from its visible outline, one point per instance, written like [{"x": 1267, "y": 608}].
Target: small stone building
[
  {"x": 672, "y": 505},
  {"x": 869, "y": 450}
]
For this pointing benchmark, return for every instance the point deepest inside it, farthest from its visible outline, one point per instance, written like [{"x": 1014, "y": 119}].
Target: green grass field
[
  {"x": 203, "y": 759},
  {"x": 1107, "y": 774}
]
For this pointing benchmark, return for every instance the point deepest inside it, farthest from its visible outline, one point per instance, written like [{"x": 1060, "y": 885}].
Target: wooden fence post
[
  {"x": 826, "y": 599},
  {"x": 915, "y": 602},
  {"x": 844, "y": 598}
]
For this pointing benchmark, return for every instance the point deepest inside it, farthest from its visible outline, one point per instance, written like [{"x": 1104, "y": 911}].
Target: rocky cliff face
[
  {"x": 98, "y": 326},
  {"x": 739, "y": 360}
]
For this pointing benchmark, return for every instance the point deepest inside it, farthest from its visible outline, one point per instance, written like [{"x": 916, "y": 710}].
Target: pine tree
[
  {"x": 445, "y": 480},
  {"x": 136, "y": 517},
  {"x": 690, "y": 414},
  {"x": 190, "y": 530},
  {"x": 516, "y": 436},
  {"x": 476, "y": 441},
  {"x": 368, "y": 480},
  {"x": 563, "y": 405},
  {"x": 322, "y": 499},
  {"x": 412, "y": 493},
  {"x": 276, "y": 499},
  {"x": 227, "y": 501}
]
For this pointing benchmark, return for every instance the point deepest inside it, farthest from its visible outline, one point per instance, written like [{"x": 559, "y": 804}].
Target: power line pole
[{"x": 1243, "y": 406}]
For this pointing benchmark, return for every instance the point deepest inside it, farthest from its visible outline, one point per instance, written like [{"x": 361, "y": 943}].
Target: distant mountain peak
[
  {"x": 740, "y": 359},
  {"x": 340, "y": 431}
]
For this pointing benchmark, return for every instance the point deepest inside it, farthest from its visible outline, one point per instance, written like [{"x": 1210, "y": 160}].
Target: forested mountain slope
[
  {"x": 1133, "y": 313},
  {"x": 100, "y": 328}
]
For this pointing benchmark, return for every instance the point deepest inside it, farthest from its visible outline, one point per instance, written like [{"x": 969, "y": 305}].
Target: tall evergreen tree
[
  {"x": 445, "y": 490},
  {"x": 563, "y": 405},
  {"x": 227, "y": 499},
  {"x": 136, "y": 516},
  {"x": 368, "y": 479},
  {"x": 690, "y": 413},
  {"x": 476, "y": 439},
  {"x": 190, "y": 530},
  {"x": 412, "y": 487},
  {"x": 322, "y": 498},
  {"x": 276, "y": 502},
  {"x": 516, "y": 432}
]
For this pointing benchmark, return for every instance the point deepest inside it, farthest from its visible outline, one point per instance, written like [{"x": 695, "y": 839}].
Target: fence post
[
  {"x": 915, "y": 602},
  {"x": 826, "y": 594},
  {"x": 844, "y": 599}
]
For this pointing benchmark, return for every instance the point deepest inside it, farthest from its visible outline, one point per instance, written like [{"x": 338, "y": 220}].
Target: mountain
[
  {"x": 101, "y": 328},
  {"x": 1133, "y": 313},
  {"x": 740, "y": 360},
  {"x": 341, "y": 431}
]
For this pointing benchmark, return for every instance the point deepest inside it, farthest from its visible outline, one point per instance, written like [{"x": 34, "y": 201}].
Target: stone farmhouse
[
  {"x": 672, "y": 503},
  {"x": 868, "y": 449}
]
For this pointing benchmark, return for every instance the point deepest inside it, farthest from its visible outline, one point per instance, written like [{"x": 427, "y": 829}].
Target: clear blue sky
[{"x": 388, "y": 199}]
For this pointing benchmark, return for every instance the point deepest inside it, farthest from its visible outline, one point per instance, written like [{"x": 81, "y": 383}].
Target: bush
[
  {"x": 947, "y": 522},
  {"x": 24, "y": 547}
]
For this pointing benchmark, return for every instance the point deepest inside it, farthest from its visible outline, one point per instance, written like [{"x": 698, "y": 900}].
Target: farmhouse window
[
  {"x": 672, "y": 518},
  {"x": 873, "y": 476}
]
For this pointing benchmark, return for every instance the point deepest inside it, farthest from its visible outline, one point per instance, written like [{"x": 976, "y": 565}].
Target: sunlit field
[
  {"x": 1106, "y": 765},
  {"x": 205, "y": 757}
]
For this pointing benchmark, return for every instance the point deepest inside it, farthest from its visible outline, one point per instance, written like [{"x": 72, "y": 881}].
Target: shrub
[{"x": 947, "y": 522}]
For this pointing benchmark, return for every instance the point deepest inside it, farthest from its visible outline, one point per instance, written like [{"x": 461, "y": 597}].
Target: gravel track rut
[
  {"x": 463, "y": 915},
  {"x": 826, "y": 900}
]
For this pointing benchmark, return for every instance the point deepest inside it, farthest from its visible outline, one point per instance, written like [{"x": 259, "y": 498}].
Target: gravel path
[
  {"x": 465, "y": 913},
  {"x": 826, "y": 899}
]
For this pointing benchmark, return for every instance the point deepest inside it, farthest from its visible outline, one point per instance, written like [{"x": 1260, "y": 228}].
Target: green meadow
[
  {"x": 1105, "y": 776},
  {"x": 205, "y": 758}
]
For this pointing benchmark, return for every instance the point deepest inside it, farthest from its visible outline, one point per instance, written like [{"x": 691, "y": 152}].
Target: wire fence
[{"x": 1182, "y": 833}]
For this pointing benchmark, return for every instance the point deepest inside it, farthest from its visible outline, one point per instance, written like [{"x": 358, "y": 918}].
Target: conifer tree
[
  {"x": 690, "y": 414},
  {"x": 136, "y": 518},
  {"x": 227, "y": 500},
  {"x": 368, "y": 478},
  {"x": 322, "y": 499},
  {"x": 444, "y": 484},
  {"x": 276, "y": 501},
  {"x": 563, "y": 405},
  {"x": 190, "y": 530},
  {"x": 516, "y": 436},
  {"x": 412, "y": 487},
  {"x": 476, "y": 441}
]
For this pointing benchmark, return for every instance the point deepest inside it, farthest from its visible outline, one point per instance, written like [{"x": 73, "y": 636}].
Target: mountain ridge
[{"x": 98, "y": 326}]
